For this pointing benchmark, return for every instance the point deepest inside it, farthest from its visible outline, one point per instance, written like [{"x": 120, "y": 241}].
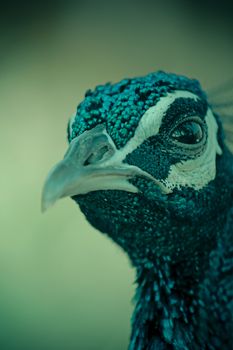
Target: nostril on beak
[
  {"x": 100, "y": 154},
  {"x": 91, "y": 147}
]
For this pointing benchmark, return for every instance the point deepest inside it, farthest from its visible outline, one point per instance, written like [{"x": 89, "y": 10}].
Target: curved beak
[{"x": 89, "y": 164}]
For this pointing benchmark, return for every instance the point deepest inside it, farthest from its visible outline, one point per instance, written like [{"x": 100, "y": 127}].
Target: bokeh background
[{"x": 63, "y": 285}]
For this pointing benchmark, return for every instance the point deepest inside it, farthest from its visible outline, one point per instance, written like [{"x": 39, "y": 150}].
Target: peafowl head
[{"x": 148, "y": 166}]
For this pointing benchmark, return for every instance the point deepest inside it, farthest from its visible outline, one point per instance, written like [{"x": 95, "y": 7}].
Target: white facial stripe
[
  {"x": 198, "y": 172},
  {"x": 150, "y": 123}
]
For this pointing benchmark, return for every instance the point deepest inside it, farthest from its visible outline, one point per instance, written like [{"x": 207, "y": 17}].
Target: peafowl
[{"x": 148, "y": 166}]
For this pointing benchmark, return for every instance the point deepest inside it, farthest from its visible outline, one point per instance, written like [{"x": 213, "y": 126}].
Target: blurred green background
[{"x": 63, "y": 285}]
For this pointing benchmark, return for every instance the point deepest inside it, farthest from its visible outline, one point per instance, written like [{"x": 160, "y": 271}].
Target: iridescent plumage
[{"x": 149, "y": 167}]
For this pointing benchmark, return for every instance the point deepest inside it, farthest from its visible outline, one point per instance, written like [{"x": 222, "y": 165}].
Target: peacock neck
[{"x": 166, "y": 307}]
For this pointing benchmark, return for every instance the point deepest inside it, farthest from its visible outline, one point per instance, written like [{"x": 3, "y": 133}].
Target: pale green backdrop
[{"x": 63, "y": 285}]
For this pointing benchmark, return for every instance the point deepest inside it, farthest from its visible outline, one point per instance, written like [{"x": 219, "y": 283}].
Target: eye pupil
[{"x": 188, "y": 132}]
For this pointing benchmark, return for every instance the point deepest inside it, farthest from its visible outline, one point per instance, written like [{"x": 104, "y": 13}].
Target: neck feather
[{"x": 166, "y": 306}]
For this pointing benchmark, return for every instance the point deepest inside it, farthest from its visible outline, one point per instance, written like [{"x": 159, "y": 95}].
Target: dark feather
[{"x": 217, "y": 292}]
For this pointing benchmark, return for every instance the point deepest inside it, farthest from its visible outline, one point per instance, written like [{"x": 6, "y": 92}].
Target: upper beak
[{"x": 89, "y": 165}]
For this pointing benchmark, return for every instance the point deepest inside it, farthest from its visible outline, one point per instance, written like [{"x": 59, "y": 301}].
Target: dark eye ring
[{"x": 189, "y": 132}]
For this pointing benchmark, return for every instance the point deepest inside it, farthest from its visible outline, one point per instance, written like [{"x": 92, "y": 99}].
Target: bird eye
[{"x": 189, "y": 132}]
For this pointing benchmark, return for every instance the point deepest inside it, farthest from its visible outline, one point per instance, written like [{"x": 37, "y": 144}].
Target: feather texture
[{"x": 148, "y": 166}]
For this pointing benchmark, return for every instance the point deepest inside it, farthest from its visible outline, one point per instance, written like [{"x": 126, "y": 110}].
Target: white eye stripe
[{"x": 151, "y": 121}]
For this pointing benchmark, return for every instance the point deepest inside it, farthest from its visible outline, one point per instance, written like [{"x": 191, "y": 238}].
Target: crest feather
[{"x": 221, "y": 100}]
